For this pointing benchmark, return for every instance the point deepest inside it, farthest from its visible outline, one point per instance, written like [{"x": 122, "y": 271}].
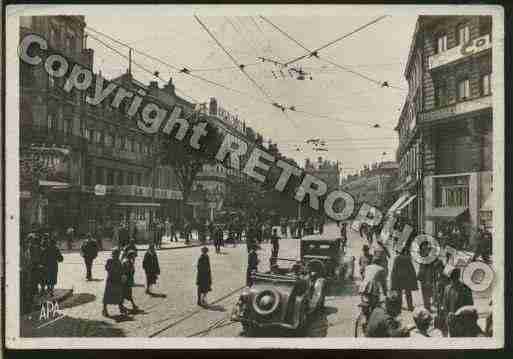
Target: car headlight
[{"x": 266, "y": 302}]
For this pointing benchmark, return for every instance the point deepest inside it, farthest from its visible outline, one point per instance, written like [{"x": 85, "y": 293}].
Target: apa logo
[{"x": 49, "y": 311}]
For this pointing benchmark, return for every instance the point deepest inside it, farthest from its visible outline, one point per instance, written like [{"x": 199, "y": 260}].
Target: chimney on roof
[
  {"x": 170, "y": 87},
  {"x": 154, "y": 85}
]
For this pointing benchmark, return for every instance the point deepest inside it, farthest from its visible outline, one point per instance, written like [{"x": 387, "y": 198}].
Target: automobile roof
[{"x": 318, "y": 238}]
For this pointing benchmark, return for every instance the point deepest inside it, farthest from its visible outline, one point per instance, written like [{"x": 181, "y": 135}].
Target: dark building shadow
[
  {"x": 216, "y": 308},
  {"x": 157, "y": 295},
  {"x": 77, "y": 299},
  {"x": 70, "y": 327}
]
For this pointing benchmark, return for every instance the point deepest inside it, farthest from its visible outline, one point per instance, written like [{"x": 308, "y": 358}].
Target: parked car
[
  {"x": 326, "y": 257},
  {"x": 284, "y": 298}
]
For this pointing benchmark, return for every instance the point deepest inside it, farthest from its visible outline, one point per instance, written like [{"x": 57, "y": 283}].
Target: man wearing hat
[
  {"x": 204, "y": 277},
  {"x": 383, "y": 323},
  {"x": 252, "y": 265},
  {"x": 89, "y": 251},
  {"x": 423, "y": 319},
  {"x": 455, "y": 295},
  {"x": 127, "y": 277},
  {"x": 463, "y": 323},
  {"x": 113, "y": 293}
]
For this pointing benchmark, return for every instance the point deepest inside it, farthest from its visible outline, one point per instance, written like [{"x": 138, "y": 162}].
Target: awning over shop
[
  {"x": 406, "y": 203},
  {"x": 138, "y": 204},
  {"x": 53, "y": 184},
  {"x": 401, "y": 200},
  {"x": 447, "y": 213}
]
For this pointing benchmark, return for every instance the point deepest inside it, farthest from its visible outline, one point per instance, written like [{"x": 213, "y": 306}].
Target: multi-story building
[
  {"x": 100, "y": 167},
  {"x": 451, "y": 119},
  {"x": 373, "y": 185},
  {"x": 325, "y": 170},
  {"x": 51, "y": 128}
]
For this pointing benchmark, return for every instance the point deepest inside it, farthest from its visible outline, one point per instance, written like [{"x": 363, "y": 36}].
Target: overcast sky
[{"x": 343, "y": 106}]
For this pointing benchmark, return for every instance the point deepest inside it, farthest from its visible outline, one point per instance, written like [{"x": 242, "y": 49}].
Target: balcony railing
[
  {"x": 456, "y": 109},
  {"x": 137, "y": 191},
  {"x": 116, "y": 153},
  {"x": 31, "y": 133},
  {"x": 459, "y": 52}
]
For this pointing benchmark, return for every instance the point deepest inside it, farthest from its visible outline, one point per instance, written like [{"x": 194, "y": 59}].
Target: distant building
[
  {"x": 325, "y": 170},
  {"x": 373, "y": 185}
]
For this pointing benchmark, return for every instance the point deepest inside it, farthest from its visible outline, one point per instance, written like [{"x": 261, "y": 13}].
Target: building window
[
  {"x": 463, "y": 34},
  {"x": 99, "y": 175},
  {"x": 108, "y": 140},
  {"x": 120, "y": 178},
  {"x": 91, "y": 136},
  {"x": 441, "y": 95},
  {"x": 50, "y": 121},
  {"x": 139, "y": 179},
  {"x": 110, "y": 177},
  {"x": 441, "y": 43},
  {"x": 452, "y": 192},
  {"x": 87, "y": 133},
  {"x": 464, "y": 90},
  {"x": 67, "y": 126},
  {"x": 98, "y": 137},
  {"x": 486, "y": 88},
  {"x": 130, "y": 178},
  {"x": 137, "y": 147}
]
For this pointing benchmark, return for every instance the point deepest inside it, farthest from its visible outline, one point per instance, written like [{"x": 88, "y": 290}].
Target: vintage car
[
  {"x": 326, "y": 257},
  {"x": 282, "y": 298}
]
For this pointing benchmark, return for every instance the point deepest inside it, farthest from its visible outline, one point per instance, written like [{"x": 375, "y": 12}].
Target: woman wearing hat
[
  {"x": 151, "y": 267},
  {"x": 204, "y": 277},
  {"x": 113, "y": 285},
  {"x": 51, "y": 258},
  {"x": 127, "y": 278}
]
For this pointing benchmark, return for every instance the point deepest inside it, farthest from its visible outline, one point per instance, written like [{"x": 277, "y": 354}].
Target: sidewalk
[{"x": 109, "y": 244}]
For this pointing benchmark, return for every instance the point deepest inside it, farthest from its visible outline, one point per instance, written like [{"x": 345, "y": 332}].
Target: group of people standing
[
  {"x": 41, "y": 258},
  {"x": 440, "y": 285},
  {"x": 120, "y": 280}
]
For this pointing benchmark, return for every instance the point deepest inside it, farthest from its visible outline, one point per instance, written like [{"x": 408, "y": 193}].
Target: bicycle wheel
[{"x": 360, "y": 326}]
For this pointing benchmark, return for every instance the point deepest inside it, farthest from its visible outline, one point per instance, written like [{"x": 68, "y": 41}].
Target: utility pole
[{"x": 130, "y": 61}]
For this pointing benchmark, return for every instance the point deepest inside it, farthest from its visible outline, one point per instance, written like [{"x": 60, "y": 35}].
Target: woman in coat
[
  {"x": 51, "y": 258},
  {"x": 127, "y": 278},
  {"x": 204, "y": 277},
  {"x": 151, "y": 267},
  {"x": 403, "y": 277},
  {"x": 113, "y": 285}
]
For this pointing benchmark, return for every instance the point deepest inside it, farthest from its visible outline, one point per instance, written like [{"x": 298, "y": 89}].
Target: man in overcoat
[{"x": 204, "y": 277}]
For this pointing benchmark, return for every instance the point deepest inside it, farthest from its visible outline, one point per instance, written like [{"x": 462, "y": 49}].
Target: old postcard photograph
[{"x": 254, "y": 176}]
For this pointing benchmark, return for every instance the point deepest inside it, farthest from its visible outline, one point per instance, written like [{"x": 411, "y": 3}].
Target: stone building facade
[
  {"x": 452, "y": 121},
  {"x": 108, "y": 173}
]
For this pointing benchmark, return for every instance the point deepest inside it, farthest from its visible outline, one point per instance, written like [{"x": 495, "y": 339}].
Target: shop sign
[
  {"x": 472, "y": 47},
  {"x": 458, "y": 109},
  {"x": 100, "y": 190}
]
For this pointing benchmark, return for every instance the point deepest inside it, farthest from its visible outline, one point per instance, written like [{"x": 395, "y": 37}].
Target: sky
[{"x": 342, "y": 107}]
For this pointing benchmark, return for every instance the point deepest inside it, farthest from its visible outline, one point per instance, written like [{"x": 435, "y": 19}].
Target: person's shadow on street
[
  {"x": 157, "y": 295},
  {"x": 215, "y": 307},
  {"x": 120, "y": 318}
]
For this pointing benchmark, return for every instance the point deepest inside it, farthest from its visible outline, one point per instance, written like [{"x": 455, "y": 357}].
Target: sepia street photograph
[{"x": 254, "y": 176}]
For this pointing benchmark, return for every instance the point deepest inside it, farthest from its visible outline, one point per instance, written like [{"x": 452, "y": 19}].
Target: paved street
[{"x": 173, "y": 312}]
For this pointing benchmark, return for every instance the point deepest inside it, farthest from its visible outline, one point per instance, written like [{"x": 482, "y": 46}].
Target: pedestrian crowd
[{"x": 448, "y": 306}]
